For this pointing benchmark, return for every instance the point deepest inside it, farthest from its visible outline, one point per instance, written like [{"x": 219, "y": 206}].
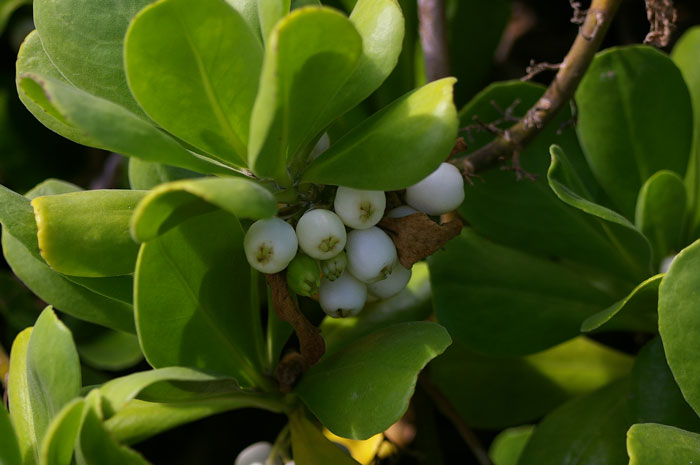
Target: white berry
[
  {"x": 441, "y": 192},
  {"x": 400, "y": 212},
  {"x": 371, "y": 254},
  {"x": 334, "y": 267},
  {"x": 359, "y": 209},
  {"x": 254, "y": 454},
  {"x": 343, "y": 297},
  {"x": 392, "y": 285},
  {"x": 270, "y": 245},
  {"x": 321, "y": 234}
]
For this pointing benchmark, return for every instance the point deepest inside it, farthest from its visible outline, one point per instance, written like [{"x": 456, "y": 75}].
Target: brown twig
[
  {"x": 433, "y": 38},
  {"x": 662, "y": 16},
  {"x": 559, "y": 92},
  {"x": 447, "y": 409}
]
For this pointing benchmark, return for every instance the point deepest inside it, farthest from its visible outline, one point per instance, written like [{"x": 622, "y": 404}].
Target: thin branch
[
  {"x": 662, "y": 16},
  {"x": 433, "y": 38},
  {"x": 108, "y": 178},
  {"x": 448, "y": 410},
  {"x": 557, "y": 95}
]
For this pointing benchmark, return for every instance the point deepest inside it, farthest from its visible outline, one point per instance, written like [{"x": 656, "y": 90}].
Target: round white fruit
[
  {"x": 343, "y": 297},
  {"x": 334, "y": 267},
  {"x": 321, "y": 234},
  {"x": 400, "y": 212},
  {"x": 392, "y": 285},
  {"x": 441, "y": 192},
  {"x": 254, "y": 454},
  {"x": 270, "y": 245},
  {"x": 359, "y": 209},
  {"x": 371, "y": 254}
]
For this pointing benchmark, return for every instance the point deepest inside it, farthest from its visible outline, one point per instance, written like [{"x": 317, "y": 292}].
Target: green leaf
[
  {"x": 631, "y": 248},
  {"x": 110, "y": 350},
  {"x": 396, "y": 147},
  {"x": 32, "y": 58},
  {"x": 517, "y": 303},
  {"x": 679, "y": 321},
  {"x": 85, "y": 40},
  {"x": 87, "y": 233},
  {"x": 249, "y": 11},
  {"x": 308, "y": 58},
  {"x": 22, "y": 416},
  {"x": 364, "y": 388},
  {"x": 311, "y": 447},
  {"x": 381, "y": 27},
  {"x": 654, "y": 395},
  {"x": 269, "y": 13},
  {"x": 9, "y": 449},
  {"x": 193, "y": 304},
  {"x": 527, "y": 215},
  {"x": 660, "y": 213},
  {"x": 653, "y": 444},
  {"x": 144, "y": 175},
  {"x": 139, "y": 420},
  {"x": 51, "y": 187},
  {"x": 53, "y": 370},
  {"x": 620, "y": 99},
  {"x": 61, "y": 292},
  {"x": 637, "y": 311},
  {"x": 586, "y": 431},
  {"x": 686, "y": 55},
  {"x": 110, "y": 126},
  {"x": 17, "y": 218},
  {"x": 57, "y": 446},
  {"x": 96, "y": 446},
  {"x": 168, "y": 205},
  {"x": 194, "y": 68},
  {"x": 507, "y": 447},
  {"x": 496, "y": 392},
  {"x": 411, "y": 304}
]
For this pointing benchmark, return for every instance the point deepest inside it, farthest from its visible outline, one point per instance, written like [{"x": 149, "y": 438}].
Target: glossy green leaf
[
  {"x": 630, "y": 247},
  {"x": 654, "y": 444},
  {"x": 51, "y": 187},
  {"x": 85, "y": 40},
  {"x": 411, "y": 304},
  {"x": 16, "y": 217},
  {"x": 53, "y": 370},
  {"x": 507, "y": 447},
  {"x": 269, "y": 13},
  {"x": 96, "y": 446},
  {"x": 87, "y": 233},
  {"x": 381, "y": 27},
  {"x": 686, "y": 55},
  {"x": 620, "y": 99},
  {"x": 397, "y": 146},
  {"x": 194, "y": 68},
  {"x": 496, "y": 392},
  {"x": 193, "y": 301},
  {"x": 637, "y": 311},
  {"x": 654, "y": 395},
  {"x": 170, "y": 204},
  {"x": 364, "y": 388},
  {"x": 501, "y": 301},
  {"x": 9, "y": 449},
  {"x": 110, "y": 350},
  {"x": 679, "y": 321},
  {"x": 112, "y": 127},
  {"x": 586, "y": 431},
  {"x": 144, "y": 175},
  {"x": 308, "y": 58},
  {"x": 57, "y": 446},
  {"x": 138, "y": 420},
  {"x": 311, "y": 447},
  {"x": 22, "y": 416},
  {"x": 32, "y": 58},
  {"x": 660, "y": 213},
  {"x": 526, "y": 214}
]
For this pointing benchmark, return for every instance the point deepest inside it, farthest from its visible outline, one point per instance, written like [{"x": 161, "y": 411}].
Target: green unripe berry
[{"x": 303, "y": 275}]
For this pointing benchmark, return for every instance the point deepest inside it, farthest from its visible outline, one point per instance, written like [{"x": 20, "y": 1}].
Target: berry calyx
[
  {"x": 440, "y": 192},
  {"x": 346, "y": 296},
  {"x": 321, "y": 234},
  {"x": 371, "y": 254},
  {"x": 270, "y": 245},
  {"x": 359, "y": 209},
  {"x": 392, "y": 285},
  {"x": 303, "y": 275}
]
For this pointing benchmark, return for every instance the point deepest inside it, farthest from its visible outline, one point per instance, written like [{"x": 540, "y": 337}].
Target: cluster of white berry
[{"x": 347, "y": 267}]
